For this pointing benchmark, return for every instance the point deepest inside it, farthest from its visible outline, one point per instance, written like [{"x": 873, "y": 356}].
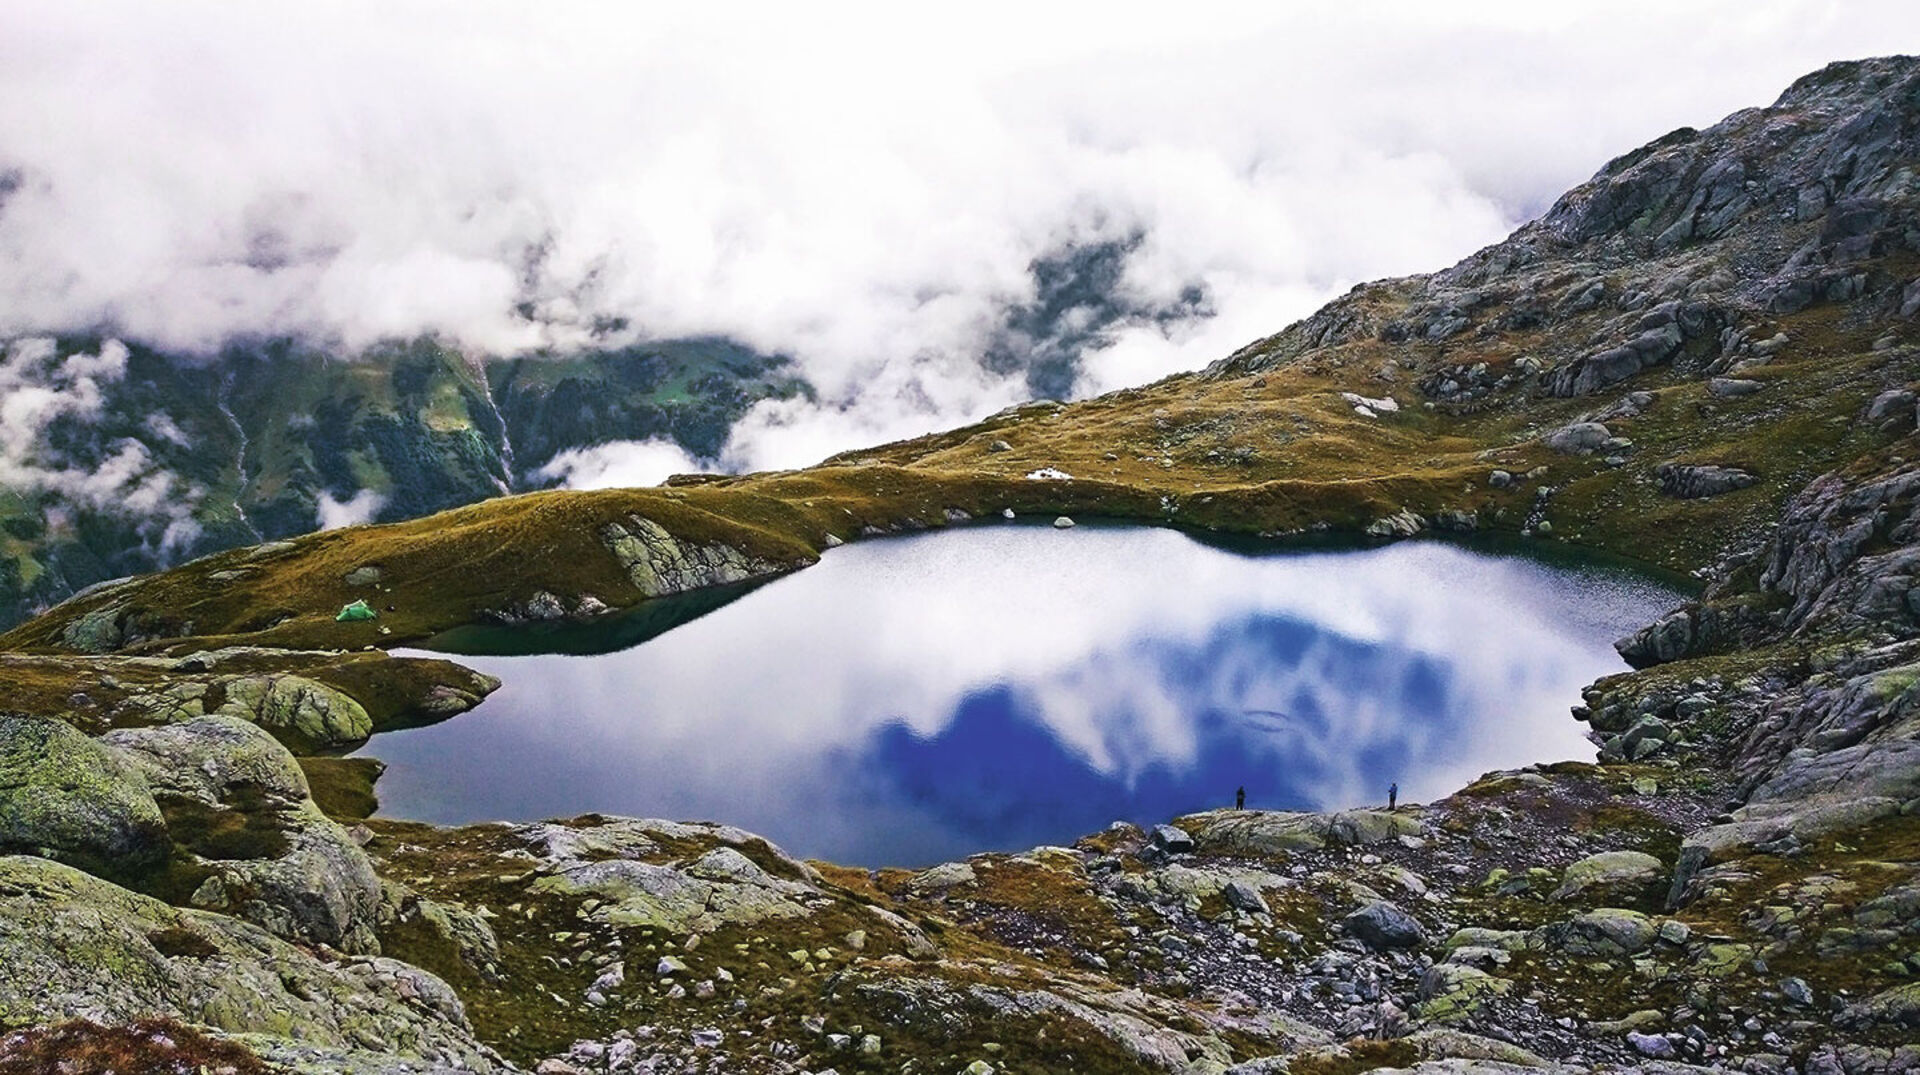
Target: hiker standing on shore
[
  {"x": 1240, "y": 798},
  {"x": 1393, "y": 795}
]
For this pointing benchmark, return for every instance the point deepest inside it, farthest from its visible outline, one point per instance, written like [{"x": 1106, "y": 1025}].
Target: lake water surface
[{"x": 915, "y": 699}]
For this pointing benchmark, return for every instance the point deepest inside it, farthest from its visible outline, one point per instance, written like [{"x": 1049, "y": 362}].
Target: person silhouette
[
  {"x": 1240, "y": 799},
  {"x": 1393, "y": 795}
]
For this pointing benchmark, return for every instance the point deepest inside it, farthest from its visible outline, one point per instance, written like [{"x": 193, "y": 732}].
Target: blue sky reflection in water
[{"x": 915, "y": 699}]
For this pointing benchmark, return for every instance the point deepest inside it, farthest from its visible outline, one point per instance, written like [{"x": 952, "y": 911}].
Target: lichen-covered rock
[
  {"x": 208, "y": 758},
  {"x": 72, "y": 944},
  {"x": 1267, "y": 832},
  {"x": 1611, "y": 875},
  {"x": 722, "y": 886},
  {"x": 1606, "y": 933},
  {"x": 302, "y": 713},
  {"x": 943, "y": 876},
  {"x": 1451, "y": 991},
  {"x": 1697, "y": 481},
  {"x": 64, "y": 796},
  {"x": 659, "y": 564},
  {"x": 1580, "y": 438},
  {"x": 238, "y": 805},
  {"x": 445, "y": 925},
  {"x": 1895, "y": 1007}
]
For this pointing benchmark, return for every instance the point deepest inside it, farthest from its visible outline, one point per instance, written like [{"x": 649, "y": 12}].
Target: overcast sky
[{"x": 863, "y": 188}]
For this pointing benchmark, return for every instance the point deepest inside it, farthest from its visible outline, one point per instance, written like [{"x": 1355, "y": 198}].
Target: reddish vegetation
[{"x": 148, "y": 1047}]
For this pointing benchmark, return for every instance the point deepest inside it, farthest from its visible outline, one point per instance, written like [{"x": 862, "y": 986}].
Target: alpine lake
[{"x": 1002, "y": 686}]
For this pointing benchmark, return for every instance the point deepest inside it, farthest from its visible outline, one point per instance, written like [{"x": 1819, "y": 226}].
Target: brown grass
[{"x": 147, "y": 1047}]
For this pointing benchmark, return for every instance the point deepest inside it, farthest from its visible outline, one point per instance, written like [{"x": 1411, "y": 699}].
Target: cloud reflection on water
[{"x": 913, "y": 699}]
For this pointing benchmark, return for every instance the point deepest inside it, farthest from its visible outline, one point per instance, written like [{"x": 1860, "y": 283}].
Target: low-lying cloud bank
[
  {"x": 45, "y": 398},
  {"x": 877, "y": 191}
]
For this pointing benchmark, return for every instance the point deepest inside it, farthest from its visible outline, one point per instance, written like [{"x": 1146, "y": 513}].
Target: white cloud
[
  {"x": 620, "y": 464},
  {"x": 358, "y": 510},
  {"x": 39, "y": 391},
  {"x": 860, "y": 187}
]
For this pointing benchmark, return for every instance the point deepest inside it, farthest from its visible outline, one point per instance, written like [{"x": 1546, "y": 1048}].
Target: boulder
[
  {"x": 236, "y": 804},
  {"x": 1606, "y": 933},
  {"x": 66, "y": 797},
  {"x": 1896, "y": 1007},
  {"x": 1894, "y": 403},
  {"x": 1381, "y": 925},
  {"x": 1696, "y": 482},
  {"x": 1171, "y": 838},
  {"x": 304, "y": 714},
  {"x": 942, "y": 877},
  {"x": 1450, "y": 991},
  {"x": 1242, "y": 896},
  {"x": 1580, "y": 438},
  {"x": 1611, "y": 875},
  {"x": 1732, "y": 387},
  {"x": 74, "y": 945}
]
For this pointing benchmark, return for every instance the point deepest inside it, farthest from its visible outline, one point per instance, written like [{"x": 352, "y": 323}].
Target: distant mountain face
[{"x": 116, "y": 458}]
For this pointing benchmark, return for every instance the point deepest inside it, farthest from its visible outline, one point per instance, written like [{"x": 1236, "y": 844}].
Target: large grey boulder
[
  {"x": 1580, "y": 438},
  {"x": 1606, "y": 933},
  {"x": 1381, "y": 925},
  {"x": 1696, "y": 482},
  {"x": 64, "y": 796},
  {"x": 1172, "y": 839},
  {"x": 301, "y": 712},
  {"x": 1611, "y": 876},
  {"x": 240, "y": 809},
  {"x": 74, "y": 945},
  {"x": 718, "y": 887}
]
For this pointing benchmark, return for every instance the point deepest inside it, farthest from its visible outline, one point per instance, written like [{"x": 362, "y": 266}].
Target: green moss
[{"x": 343, "y": 787}]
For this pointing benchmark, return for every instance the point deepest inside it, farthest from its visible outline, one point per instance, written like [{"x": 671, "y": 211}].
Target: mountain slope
[{"x": 140, "y": 459}]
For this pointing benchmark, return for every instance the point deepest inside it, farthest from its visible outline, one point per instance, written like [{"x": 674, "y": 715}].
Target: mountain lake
[{"x": 997, "y": 687}]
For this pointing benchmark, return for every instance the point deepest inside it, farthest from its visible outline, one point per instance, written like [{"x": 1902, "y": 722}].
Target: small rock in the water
[
  {"x": 1062, "y": 523},
  {"x": 1006, "y": 513}
]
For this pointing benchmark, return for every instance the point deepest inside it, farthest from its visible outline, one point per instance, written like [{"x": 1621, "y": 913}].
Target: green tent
[{"x": 356, "y": 611}]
